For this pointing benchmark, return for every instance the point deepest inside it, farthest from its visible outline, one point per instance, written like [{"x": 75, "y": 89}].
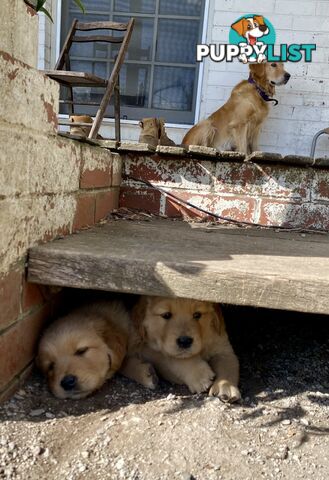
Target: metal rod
[{"x": 315, "y": 139}]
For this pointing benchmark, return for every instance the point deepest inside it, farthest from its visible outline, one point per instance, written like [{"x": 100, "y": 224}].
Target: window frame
[{"x": 145, "y": 112}]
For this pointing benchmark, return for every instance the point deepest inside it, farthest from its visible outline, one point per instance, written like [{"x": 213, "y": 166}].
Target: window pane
[
  {"x": 93, "y": 5},
  {"x": 176, "y": 7},
  {"x": 97, "y": 68},
  {"x": 177, "y": 40},
  {"x": 90, "y": 49},
  {"x": 137, "y": 6},
  {"x": 134, "y": 85},
  {"x": 173, "y": 88},
  {"x": 140, "y": 47}
]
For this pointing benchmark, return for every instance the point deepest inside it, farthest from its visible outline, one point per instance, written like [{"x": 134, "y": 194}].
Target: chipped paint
[
  {"x": 26, "y": 97},
  {"x": 270, "y": 194},
  {"x": 51, "y": 113}
]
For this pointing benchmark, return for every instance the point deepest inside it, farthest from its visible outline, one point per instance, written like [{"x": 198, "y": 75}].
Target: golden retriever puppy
[
  {"x": 236, "y": 125},
  {"x": 79, "y": 351},
  {"x": 187, "y": 343}
]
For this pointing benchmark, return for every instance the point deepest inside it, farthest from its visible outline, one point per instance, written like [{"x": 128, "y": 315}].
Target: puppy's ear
[
  {"x": 138, "y": 314},
  {"x": 259, "y": 19},
  {"x": 218, "y": 319},
  {"x": 240, "y": 27}
]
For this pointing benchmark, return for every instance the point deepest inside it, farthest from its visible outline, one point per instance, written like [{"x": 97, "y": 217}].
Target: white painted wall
[{"x": 304, "y": 102}]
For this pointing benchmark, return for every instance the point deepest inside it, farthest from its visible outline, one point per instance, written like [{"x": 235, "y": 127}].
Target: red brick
[
  {"x": 145, "y": 199},
  {"x": 10, "y": 293},
  {"x": 33, "y": 295},
  {"x": 58, "y": 232},
  {"x": 96, "y": 178},
  {"x": 15, "y": 384},
  {"x": 300, "y": 215},
  {"x": 262, "y": 180},
  {"x": 18, "y": 345},
  {"x": 172, "y": 170},
  {"x": 173, "y": 210},
  {"x": 236, "y": 208},
  {"x": 321, "y": 186},
  {"x": 106, "y": 202},
  {"x": 85, "y": 211},
  {"x": 116, "y": 171}
]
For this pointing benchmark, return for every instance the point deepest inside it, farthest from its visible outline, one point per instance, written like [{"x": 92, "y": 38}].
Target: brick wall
[
  {"x": 304, "y": 101},
  {"x": 49, "y": 186},
  {"x": 273, "y": 194}
]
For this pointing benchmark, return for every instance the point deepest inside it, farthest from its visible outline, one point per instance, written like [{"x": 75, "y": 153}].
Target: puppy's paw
[
  {"x": 149, "y": 377},
  {"x": 227, "y": 392},
  {"x": 200, "y": 379}
]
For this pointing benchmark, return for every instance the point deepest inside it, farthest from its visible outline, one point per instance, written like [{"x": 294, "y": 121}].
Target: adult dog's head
[
  {"x": 177, "y": 327},
  {"x": 269, "y": 75},
  {"x": 273, "y": 73},
  {"x": 75, "y": 356}
]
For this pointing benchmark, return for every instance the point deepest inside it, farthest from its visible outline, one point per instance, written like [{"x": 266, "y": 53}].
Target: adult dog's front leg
[
  {"x": 239, "y": 134},
  {"x": 225, "y": 386}
]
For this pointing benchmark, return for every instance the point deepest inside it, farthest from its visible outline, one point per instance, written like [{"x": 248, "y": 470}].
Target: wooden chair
[{"x": 63, "y": 74}]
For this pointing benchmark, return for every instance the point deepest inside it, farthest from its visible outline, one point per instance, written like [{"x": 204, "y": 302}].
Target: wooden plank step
[{"x": 174, "y": 258}]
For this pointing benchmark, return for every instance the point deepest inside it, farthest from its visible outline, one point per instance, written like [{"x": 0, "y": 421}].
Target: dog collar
[{"x": 262, "y": 93}]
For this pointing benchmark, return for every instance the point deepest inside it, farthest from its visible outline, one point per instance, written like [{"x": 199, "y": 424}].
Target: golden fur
[
  {"x": 153, "y": 132},
  {"x": 89, "y": 344},
  {"x": 208, "y": 361},
  {"x": 236, "y": 125},
  {"x": 80, "y": 130}
]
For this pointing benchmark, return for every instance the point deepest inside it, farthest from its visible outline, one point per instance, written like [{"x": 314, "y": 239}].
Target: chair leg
[
  {"x": 70, "y": 97},
  {"x": 117, "y": 112}
]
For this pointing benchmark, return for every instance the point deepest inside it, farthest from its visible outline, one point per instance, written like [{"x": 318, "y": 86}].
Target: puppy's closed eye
[{"x": 81, "y": 351}]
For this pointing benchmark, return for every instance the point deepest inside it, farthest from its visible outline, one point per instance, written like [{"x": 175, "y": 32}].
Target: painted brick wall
[
  {"x": 304, "y": 102},
  {"x": 272, "y": 195},
  {"x": 49, "y": 186}
]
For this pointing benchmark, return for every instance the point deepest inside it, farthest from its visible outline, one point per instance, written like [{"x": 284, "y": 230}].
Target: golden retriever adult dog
[
  {"x": 81, "y": 350},
  {"x": 236, "y": 125},
  {"x": 187, "y": 343}
]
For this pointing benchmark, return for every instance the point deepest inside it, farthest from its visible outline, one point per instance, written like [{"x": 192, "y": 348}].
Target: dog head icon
[{"x": 251, "y": 28}]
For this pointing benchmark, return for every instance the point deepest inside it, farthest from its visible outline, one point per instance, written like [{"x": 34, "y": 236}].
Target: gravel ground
[{"x": 279, "y": 431}]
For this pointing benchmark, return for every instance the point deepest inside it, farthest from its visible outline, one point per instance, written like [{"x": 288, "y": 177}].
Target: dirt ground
[{"x": 279, "y": 431}]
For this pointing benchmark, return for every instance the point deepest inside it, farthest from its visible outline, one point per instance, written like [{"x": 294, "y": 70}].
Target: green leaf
[
  {"x": 39, "y": 5},
  {"x": 43, "y": 10},
  {"x": 80, "y": 5}
]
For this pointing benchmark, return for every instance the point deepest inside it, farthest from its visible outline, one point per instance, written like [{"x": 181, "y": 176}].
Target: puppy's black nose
[
  {"x": 68, "y": 382},
  {"x": 184, "y": 342},
  {"x": 287, "y": 77},
  {"x": 262, "y": 28}
]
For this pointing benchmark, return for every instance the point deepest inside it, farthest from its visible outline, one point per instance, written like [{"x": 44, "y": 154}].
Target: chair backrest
[{"x": 64, "y": 58}]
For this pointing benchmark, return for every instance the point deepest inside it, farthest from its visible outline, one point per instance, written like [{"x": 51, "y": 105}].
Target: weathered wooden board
[{"x": 162, "y": 257}]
